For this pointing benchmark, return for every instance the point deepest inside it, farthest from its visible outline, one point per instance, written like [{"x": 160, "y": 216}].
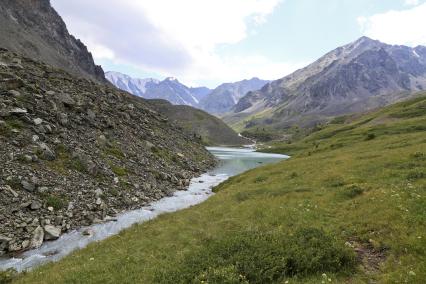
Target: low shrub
[
  {"x": 351, "y": 191},
  {"x": 262, "y": 257},
  {"x": 419, "y": 156},
  {"x": 14, "y": 183},
  {"x": 57, "y": 202},
  {"x": 293, "y": 175},
  {"x": 370, "y": 136},
  {"x": 77, "y": 165},
  {"x": 115, "y": 151},
  {"x": 335, "y": 181},
  {"x": 225, "y": 274},
  {"x": 7, "y": 276},
  {"x": 119, "y": 171},
  {"x": 260, "y": 179},
  {"x": 415, "y": 175}
]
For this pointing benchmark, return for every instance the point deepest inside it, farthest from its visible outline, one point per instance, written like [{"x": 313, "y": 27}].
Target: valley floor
[{"x": 348, "y": 207}]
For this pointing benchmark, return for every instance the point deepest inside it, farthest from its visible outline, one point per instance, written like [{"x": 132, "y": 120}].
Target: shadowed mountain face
[
  {"x": 209, "y": 128},
  {"x": 359, "y": 76},
  {"x": 34, "y": 29},
  {"x": 224, "y": 97}
]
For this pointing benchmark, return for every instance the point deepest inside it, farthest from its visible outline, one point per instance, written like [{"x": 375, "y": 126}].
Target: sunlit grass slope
[{"x": 348, "y": 207}]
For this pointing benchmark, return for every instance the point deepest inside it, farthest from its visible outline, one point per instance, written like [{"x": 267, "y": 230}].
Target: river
[{"x": 232, "y": 161}]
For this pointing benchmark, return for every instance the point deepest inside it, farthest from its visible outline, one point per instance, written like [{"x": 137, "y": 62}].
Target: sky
[{"x": 209, "y": 42}]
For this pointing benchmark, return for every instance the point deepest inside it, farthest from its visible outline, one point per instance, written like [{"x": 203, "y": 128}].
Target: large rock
[
  {"x": 18, "y": 111},
  {"x": 38, "y": 237},
  {"x": 66, "y": 99},
  {"x": 47, "y": 153},
  {"x": 28, "y": 186},
  {"x": 35, "y": 205},
  {"x": 4, "y": 244},
  {"x": 51, "y": 232}
]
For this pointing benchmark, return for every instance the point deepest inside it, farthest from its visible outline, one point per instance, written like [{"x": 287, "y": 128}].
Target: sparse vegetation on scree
[{"x": 346, "y": 208}]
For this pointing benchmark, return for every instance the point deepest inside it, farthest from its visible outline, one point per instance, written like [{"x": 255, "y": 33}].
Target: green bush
[
  {"x": 119, "y": 171},
  {"x": 115, "y": 151},
  {"x": 262, "y": 257},
  {"x": 14, "y": 183},
  {"x": 293, "y": 175},
  {"x": 260, "y": 179},
  {"x": 57, "y": 202},
  {"x": 419, "y": 156},
  {"x": 7, "y": 276},
  {"x": 370, "y": 136},
  {"x": 335, "y": 181},
  {"x": 77, "y": 165},
  {"x": 415, "y": 175},
  {"x": 339, "y": 120},
  {"x": 224, "y": 274},
  {"x": 352, "y": 191}
]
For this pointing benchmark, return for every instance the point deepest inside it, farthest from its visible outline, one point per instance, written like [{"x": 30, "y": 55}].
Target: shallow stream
[{"x": 232, "y": 161}]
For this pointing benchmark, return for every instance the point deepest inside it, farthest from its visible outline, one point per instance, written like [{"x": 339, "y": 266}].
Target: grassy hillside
[
  {"x": 209, "y": 128},
  {"x": 348, "y": 207}
]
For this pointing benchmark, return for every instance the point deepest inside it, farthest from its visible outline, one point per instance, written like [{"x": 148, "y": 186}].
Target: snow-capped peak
[{"x": 171, "y": 79}]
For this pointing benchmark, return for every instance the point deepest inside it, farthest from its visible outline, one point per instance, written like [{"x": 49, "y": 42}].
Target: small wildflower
[
  {"x": 91, "y": 259},
  {"x": 412, "y": 273}
]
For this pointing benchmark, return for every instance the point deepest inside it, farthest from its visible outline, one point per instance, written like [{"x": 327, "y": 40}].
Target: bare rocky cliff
[{"x": 34, "y": 29}]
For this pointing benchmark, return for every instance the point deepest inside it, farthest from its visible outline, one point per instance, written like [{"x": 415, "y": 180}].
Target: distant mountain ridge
[
  {"x": 226, "y": 96},
  {"x": 356, "y": 77},
  {"x": 169, "y": 89},
  {"x": 217, "y": 101}
]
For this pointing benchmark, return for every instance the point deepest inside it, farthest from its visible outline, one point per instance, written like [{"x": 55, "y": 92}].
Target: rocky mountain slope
[
  {"x": 362, "y": 75},
  {"x": 169, "y": 89},
  {"x": 226, "y": 96},
  {"x": 34, "y": 29},
  {"x": 74, "y": 152},
  {"x": 210, "y": 129}
]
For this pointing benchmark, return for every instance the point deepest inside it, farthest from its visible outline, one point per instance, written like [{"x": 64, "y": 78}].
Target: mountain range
[
  {"x": 169, "y": 89},
  {"x": 217, "y": 101},
  {"x": 362, "y": 75}
]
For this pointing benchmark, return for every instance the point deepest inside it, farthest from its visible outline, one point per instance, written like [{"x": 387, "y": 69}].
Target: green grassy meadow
[{"x": 348, "y": 207}]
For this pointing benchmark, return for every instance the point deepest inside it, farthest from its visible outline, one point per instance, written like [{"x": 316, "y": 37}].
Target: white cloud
[
  {"x": 411, "y": 2},
  {"x": 173, "y": 38},
  {"x": 397, "y": 27},
  {"x": 229, "y": 69}
]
